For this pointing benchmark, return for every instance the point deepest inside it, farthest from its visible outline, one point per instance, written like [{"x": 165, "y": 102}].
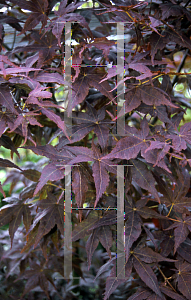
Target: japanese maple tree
[{"x": 93, "y": 108}]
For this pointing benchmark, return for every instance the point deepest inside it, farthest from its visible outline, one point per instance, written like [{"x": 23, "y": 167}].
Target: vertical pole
[
  {"x": 67, "y": 69},
  {"x": 120, "y": 223},
  {"x": 68, "y": 224},
  {"x": 120, "y": 76}
]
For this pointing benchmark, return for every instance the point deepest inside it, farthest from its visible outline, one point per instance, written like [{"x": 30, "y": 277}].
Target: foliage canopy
[{"x": 38, "y": 114}]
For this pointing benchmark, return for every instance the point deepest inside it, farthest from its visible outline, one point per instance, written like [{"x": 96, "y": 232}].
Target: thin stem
[
  {"x": 175, "y": 79},
  {"x": 166, "y": 279},
  {"x": 50, "y": 183},
  {"x": 170, "y": 210},
  {"x": 150, "y": 8},
  {"x": 114, "y": 137},
  {"x": 9, "y": 49},
  {"x": 14, "y": 39},
  {"x": 173, "y": 219},
  {"x": 154, "y": 206},
  {"x": 186, "y": 3}
]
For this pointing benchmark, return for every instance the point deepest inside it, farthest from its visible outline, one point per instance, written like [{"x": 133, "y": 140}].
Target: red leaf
[
  {"x": 147, "y": 275},
  {"x": 50, "y": 172},
  {"x": 39, "y": 11},
  {"x": 91, "y": 245}
]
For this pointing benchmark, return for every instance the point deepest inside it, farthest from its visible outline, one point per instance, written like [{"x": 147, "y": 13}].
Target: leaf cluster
[{"x": 88, "y": 130}]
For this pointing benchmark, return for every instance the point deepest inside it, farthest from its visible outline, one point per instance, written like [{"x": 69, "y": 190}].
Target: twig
[
  {"x": 14, "y": 39},
  {"x": 9, "y": 49},
  {"x": 186, "y": 3},
  {"x": 50, "y": 183},
  {"x": 166, "y": 279},
  {"x": 175, "y": 79},
  {"x": 183, "y": 102}
]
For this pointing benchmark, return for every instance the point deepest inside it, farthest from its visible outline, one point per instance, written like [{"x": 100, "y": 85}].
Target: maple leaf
[
  {"x": 139, "y": 68},
  {"x": 108, "y": 218},
  {"x": 63, "y": 155},
  {"x": 122, "y": 12},
  {"x": 171, "y": 9},
  {"x": 54, "y": 170},
  {"x": 166, "y": 239},
  {"x": 176, "y": 200},
  {"x": 155, "y": 157},
  {"x": 113, "y": 282},
  {"x": 52, "y": 213},
  {"x": 6, "y": 142},
  {"x": 81, "y": 230},
  {"x": 180, "y": 139},
  {"x": 4, "y": 60},
  {"x": 102, "y": 234},
  {"x": 32, "y": 99},
  {"x": 91, "y": 245},
  {"x": 79, "y": 184},
  {"x": 132, "y": 230},
  {"x": 145, "y": 293},
  {"x": 102, "y": 44},
  {"x": 13, "y": 213},
  {"x": 51, "y": 77},
  {"x": 140, "y": 258},
  {"x": 5, "y": 163},
  {"x": 37, "y": 276},
  {"x": 39, "y": 92},
  {"x": 133, "y": 225},
  {"x": 142, "y": 293},
  {"x": 50, "y": 172},
  {"x": 113, "y": 72},
  {"x": 184, "y": 250},
  {"x": 7, "y": 121},
  {"x": 155, "y": 111},
  {"x": 22, "y": 82},
  {"x": 99, "y": 167},
  {"x": 6, "y": 99},
  {"x": 31, "y": 236},
  {"x": 31, "y": 174},
  {"x": 171, "y": 132},
  {"x": 24, "y": 119},
  {"x": 12, "y": 21},
  {"x": 182, "y": 228},
  {"x": 56, "y": 119},
  {"x": 129, "y": 146},
  {"x": 169, "y": 292},
  {"x": 168, "y": 35},
  {"x": 44, "y": 44},
  {"x": 183, "y": 278},
  {"x": 65, "y": 14},
  {"x": 133, "y": 212},
  {"x": 153, "y": 23},
  {"x": 88, "y": 77},
  {"x": 39, "y": 11},
  {"x": 18, "y": 71},
  {"x": 91, "y": 120},
  {"x": 151, "y": 152},
  {"x": 144, "y": 178},
  {"x": 146, "y": 94},
  {"x": 52, "y": 153}
]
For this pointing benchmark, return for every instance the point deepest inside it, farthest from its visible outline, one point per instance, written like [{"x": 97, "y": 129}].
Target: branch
[
  {"x": 175, "y": 79},
  {"x": 9, "y": 49}
]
